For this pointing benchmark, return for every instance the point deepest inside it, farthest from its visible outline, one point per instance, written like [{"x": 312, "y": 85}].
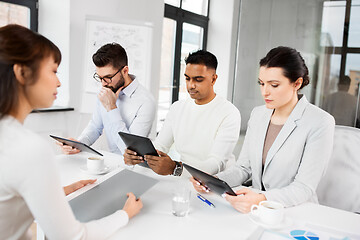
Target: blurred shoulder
[
  {"x": 21, "y": 144},
  {"x": 318, "y": 116}
]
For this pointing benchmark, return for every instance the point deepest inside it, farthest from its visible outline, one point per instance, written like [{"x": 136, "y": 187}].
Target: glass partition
[{"x": 326, "y": 33}]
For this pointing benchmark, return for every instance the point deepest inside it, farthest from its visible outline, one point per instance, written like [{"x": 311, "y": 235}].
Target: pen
[{"x": 205, "y": 200}]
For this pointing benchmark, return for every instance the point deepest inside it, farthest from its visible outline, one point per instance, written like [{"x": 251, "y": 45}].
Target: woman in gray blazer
[{"x": 288, "y": 142}]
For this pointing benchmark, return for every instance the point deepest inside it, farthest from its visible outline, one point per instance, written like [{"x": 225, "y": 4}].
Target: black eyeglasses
[{"x": 107, "y": 79}]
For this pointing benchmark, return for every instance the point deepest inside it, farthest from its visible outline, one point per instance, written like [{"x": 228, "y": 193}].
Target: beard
[{"x": 118, "y": 85}]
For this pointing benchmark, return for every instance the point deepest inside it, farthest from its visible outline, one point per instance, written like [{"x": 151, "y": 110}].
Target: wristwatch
[{"x": 178, "y": 169}]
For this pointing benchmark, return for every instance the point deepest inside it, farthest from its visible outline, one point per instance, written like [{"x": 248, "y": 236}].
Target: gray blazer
[{"x": 295, "y": 162}]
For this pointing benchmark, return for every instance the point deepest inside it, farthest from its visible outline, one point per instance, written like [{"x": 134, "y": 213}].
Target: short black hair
[
  {"x": 345, "y": 80},
  {"x": 111, "y": 53},
  {"x": 344, "y": 83},
  {"x": 202, "y": 57},
  {"x": 290, "y": 61}
]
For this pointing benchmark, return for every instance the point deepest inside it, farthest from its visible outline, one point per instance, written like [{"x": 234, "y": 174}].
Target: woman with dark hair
[
  {"x": 29, "y": 183},
  {"x": 288, "y": 142}
]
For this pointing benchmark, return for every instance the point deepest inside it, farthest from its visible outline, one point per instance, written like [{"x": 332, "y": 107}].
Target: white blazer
[{"x": 296, "y": 160}]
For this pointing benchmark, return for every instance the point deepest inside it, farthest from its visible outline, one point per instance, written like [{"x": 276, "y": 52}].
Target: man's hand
[
  {"x": 162, "y": 165},
  {"x": 245, "y": 199},
  {"x": 77, "y": 185},
  {"x": 131, "y": 157},
  {"x": 108, "y": 98},
  {"x": 132, "y": 205},
  {"x": 66, "y": 149}
]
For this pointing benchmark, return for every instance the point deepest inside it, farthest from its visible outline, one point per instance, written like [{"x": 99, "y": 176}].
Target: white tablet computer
[{"x": 110, "y": 195}]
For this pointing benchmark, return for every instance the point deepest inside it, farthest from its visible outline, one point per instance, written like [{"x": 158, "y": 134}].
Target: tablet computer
[
  {"x": 110, "y": 195},
  {"x": 79, "y": 145},
  {"x": 214, "y": 184},
  {"x": 141, "y": 145}
]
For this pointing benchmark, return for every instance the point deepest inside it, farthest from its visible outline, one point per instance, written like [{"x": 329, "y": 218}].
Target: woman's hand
[
  {"x": 198, "y": 186},
  {"x": 132, "y": 205},
  {"x": 77, "y": 185},
  {"x": 66, "y": 149},
  {"x": 245, "y": 199}
]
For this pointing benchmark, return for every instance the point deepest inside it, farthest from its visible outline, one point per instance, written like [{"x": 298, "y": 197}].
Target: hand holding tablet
[
  {"x": 75, "y": 144},
  {"x": 137, "y": 148},
  {"x": 67, "y": 149},
  {"x": 210, "y": 182},
  {"x": 140, "y": 150}
]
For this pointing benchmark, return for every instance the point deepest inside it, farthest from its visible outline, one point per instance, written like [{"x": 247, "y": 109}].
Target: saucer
[
  {"x": 286, "y": 222},
  {"x": 84, "y": 168}
]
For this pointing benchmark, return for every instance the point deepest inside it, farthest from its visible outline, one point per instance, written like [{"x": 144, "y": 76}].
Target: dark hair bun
[
  {"x": 306, "y": 81},
  {"x": 291, "y": 62}
]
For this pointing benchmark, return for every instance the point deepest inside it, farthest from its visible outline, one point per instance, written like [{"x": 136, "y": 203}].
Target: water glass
[{"x": 181, "y": 199}]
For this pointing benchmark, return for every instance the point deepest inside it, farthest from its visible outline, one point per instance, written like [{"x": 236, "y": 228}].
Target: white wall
[
  {"x": 117, "y": 11},
  {"x": 64, "y": 23},
  {"x": 222, "y": 35},
  {"x": 54, "y": 23}
]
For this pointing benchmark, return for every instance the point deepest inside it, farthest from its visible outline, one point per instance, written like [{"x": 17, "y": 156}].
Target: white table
[{"x": 155, "y": 221}]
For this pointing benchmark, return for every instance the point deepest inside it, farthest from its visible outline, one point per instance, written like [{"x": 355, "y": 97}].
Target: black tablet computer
[
  {"x": 79, "y": 145},
  {"x": 214, "y": 184},
  {"x": 141, "y": 145}
]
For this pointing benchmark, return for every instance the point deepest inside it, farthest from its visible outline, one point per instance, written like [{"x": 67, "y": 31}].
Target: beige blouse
[{"x": 271, "y": 134}]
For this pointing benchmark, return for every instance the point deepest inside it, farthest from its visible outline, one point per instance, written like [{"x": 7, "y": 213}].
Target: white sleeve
[
  {"x": 224, "y": 144},
  {"x": 241, "y": 170},
  {"x": 141, "y": 124},
  {"x": 38, "y": 183},
  {"x": 165, "y": 138},
  {"x": 94, "y": 129}
]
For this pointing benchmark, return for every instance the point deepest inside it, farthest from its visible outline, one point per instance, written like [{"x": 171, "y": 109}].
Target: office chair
[{"x": 340, "y": 187}]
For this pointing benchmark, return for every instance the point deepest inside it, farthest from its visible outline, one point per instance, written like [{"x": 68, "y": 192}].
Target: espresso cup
[
  {"x": 95, "y": 164},
  {"x": 269, "y": 212}
]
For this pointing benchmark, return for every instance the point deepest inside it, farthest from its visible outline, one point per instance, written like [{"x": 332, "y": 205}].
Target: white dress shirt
[
  {"x": 30, "y": 188},
  {"x": 134, "y": 114},
  {"x": 204, "y": 135}
]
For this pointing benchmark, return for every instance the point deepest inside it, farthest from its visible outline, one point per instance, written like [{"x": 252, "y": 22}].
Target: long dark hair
[
  {"x": 291, "y": 62},
  {"x": 19, "y": 45}
]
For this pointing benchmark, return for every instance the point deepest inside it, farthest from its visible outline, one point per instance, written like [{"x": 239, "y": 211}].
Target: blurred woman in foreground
[{"x": 29, "y": 183}]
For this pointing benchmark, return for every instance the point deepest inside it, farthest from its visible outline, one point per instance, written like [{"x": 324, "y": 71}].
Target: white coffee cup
[
  {"x": 95, "y": 164},
  {"x": 269, "y": 212}
]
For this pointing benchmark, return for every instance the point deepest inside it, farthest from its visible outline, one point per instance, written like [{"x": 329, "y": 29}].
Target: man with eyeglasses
[
  {"x": 204, "y": 128},
  {"x": 123, "y": 103}
]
